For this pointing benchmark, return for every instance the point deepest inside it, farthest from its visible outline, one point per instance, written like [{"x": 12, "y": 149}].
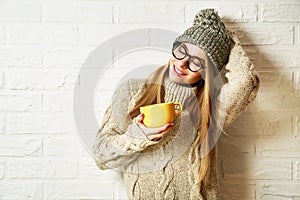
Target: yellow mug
[{"x": 157, "y": 115}]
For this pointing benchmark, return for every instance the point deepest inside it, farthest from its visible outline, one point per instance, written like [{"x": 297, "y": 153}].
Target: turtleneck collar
[{"x": 177, "y": 92}]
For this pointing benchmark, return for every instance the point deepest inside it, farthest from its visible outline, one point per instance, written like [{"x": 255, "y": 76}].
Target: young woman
[{"x": 177, "y": 160}]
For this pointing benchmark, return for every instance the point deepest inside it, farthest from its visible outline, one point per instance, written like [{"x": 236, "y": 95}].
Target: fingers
[
  {"x": 161, "y": 129},
  {"x": 153, "y": 134},
  {"x": 139, "y": 120},
  {"x": 140, "y": 117},
  {"x": 158, "y": 136},
  {"x": 160, "y": 132}
]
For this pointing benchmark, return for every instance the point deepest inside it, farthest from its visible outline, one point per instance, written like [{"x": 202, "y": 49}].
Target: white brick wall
[{"x": 43, "y": 44}]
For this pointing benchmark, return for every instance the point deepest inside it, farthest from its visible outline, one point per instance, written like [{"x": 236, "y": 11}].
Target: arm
[
  {"x": 115, "y": 145},
  {"x": 241, "y": 86}
]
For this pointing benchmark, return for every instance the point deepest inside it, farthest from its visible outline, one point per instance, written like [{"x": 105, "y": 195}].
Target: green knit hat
[{"x": 209, "y": 33}]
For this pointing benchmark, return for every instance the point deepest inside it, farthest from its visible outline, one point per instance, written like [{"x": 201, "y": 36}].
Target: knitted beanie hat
[{"x": 209, "y": 33}]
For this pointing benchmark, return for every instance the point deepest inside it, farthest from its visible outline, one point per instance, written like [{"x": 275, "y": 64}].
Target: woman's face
[{"x": 189, "y": 57}]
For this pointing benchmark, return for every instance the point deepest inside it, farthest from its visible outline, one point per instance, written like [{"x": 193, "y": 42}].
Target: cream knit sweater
[{"x": 160, "y": 170}]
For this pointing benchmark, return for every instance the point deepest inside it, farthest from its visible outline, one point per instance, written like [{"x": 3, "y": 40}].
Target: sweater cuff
[{"x": 138, "y": 137}]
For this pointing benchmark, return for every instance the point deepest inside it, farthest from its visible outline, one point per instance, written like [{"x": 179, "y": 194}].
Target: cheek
[
  {"x": 202, "y": 73},
  {"x": 198, "y": 76},
  {"x": 172, "y": 60}
]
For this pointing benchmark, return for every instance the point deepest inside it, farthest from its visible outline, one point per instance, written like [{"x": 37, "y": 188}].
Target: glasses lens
[
  {"x": 195, "y": 64},
  {"x": 179, "y": 52}
]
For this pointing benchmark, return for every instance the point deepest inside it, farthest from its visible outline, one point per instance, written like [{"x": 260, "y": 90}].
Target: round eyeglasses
[{"x": 195, "y": 64}]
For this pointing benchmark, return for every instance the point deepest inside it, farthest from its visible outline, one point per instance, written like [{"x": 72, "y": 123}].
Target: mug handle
[{"x": 178, "y": 108}]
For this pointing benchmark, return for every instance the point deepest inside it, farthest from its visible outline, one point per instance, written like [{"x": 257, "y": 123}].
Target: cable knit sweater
[{"x": 159, "y": 169}]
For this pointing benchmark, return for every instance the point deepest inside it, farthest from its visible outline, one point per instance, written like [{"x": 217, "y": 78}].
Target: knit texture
[
  {"x": 163, "y": 166},
  {"x": 209, "y": 33}
]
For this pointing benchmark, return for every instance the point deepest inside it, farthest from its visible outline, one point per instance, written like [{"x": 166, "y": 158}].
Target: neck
[{"x": 178, "y": 92}]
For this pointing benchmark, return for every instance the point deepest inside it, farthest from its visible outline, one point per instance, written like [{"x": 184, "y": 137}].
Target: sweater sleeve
[
  {"x": 115, "y": 147},
  {"x": 242, "y": 84}
]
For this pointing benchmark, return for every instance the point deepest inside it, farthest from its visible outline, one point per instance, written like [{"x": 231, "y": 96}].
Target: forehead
[{"x": 195, "y": 51}]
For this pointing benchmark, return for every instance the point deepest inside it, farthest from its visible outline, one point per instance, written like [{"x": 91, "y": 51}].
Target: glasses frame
[{"x": 177, "y": 45}]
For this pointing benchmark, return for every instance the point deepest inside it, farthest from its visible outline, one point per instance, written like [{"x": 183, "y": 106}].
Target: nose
[{"x": 183, "y": 63}]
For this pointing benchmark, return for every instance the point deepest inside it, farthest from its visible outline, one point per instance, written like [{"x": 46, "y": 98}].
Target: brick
[
  {"x": 58, "y": 102},
  {"x": 36, "y": 33},
  {"x": 95, "y": 34},
  {"x": 102, "y": 99},
  {"x": 237, "y": 12},
  {"x": 150, "y": 12},
  {"x": 79, "y": 190},
  {"x": 21, "y": 190},
  {"x": 2, "y": 123},
  {"x": 89, "y": 170},
  {"x": 282, "y": 146},
  {"x": 1, "y": 34},
  {"x": 111, "y": 78},
  {"x": 281, "y": 12},
  {"x": 297, "y": 126},
  {"x": 252, "y": 53},
  {"x": 277, "y": 81},
  {"x": 20, "y": 102},
  {"x": 297, "y": 82},
  {"x": 235, "y": 147},
  {"x": 2, "y": 170},
  {"x": 237, "y": 190},
  {"x": 41, "y": 80},
  {"x": 59, "y": 34},
  {"x": 23, "y": 33},
  {"x": 2, "y": 83},
  {"x": 89, "y": 12},
  {"x": 297, "y": 171},
  {"x": 298, "y": 35},
  {"x": 52, "y": 123},
  {"x": 91, "y": 79},
  {"x": 61, "y": 12},
  {"x": 268, "y": 124},
  {"x": 99, "y": 33},
  {"x": 279, "y": 57},
  {"x": 64, "y": 57},
  {"x": 64, "y": 146},
  {"x": 264, "y": 34},
  {"x": 20, "y": 11},
  {"x": 164, "y": 36},
  {"x": 136, "y": 60},
  {"x": 261, "y": 123},
  {"x": 277, "y": 101},
  {"x": 34, "y": 169},
  {"x": 131, "y": 39},
  {"x": 22, "y": 146},
  {"x": 21, "y": 56},
  {"x": 122, "y": 193},
  {"x": 245, "y": 168},
  {"x": 280, "y": 191}
]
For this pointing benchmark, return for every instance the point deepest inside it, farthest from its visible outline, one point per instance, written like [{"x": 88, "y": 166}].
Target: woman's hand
[{"x": 154, "y": 134}]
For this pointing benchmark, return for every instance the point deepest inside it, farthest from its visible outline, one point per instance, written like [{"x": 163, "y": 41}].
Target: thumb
[{"x": 140, "y": 117}]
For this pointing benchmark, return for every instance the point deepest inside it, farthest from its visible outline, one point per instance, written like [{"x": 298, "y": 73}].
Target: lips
[{"x": 178, "y": 72}]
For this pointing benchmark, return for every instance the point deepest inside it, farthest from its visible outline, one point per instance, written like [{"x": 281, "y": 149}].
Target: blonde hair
[{"x": 155, "y": 93}]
